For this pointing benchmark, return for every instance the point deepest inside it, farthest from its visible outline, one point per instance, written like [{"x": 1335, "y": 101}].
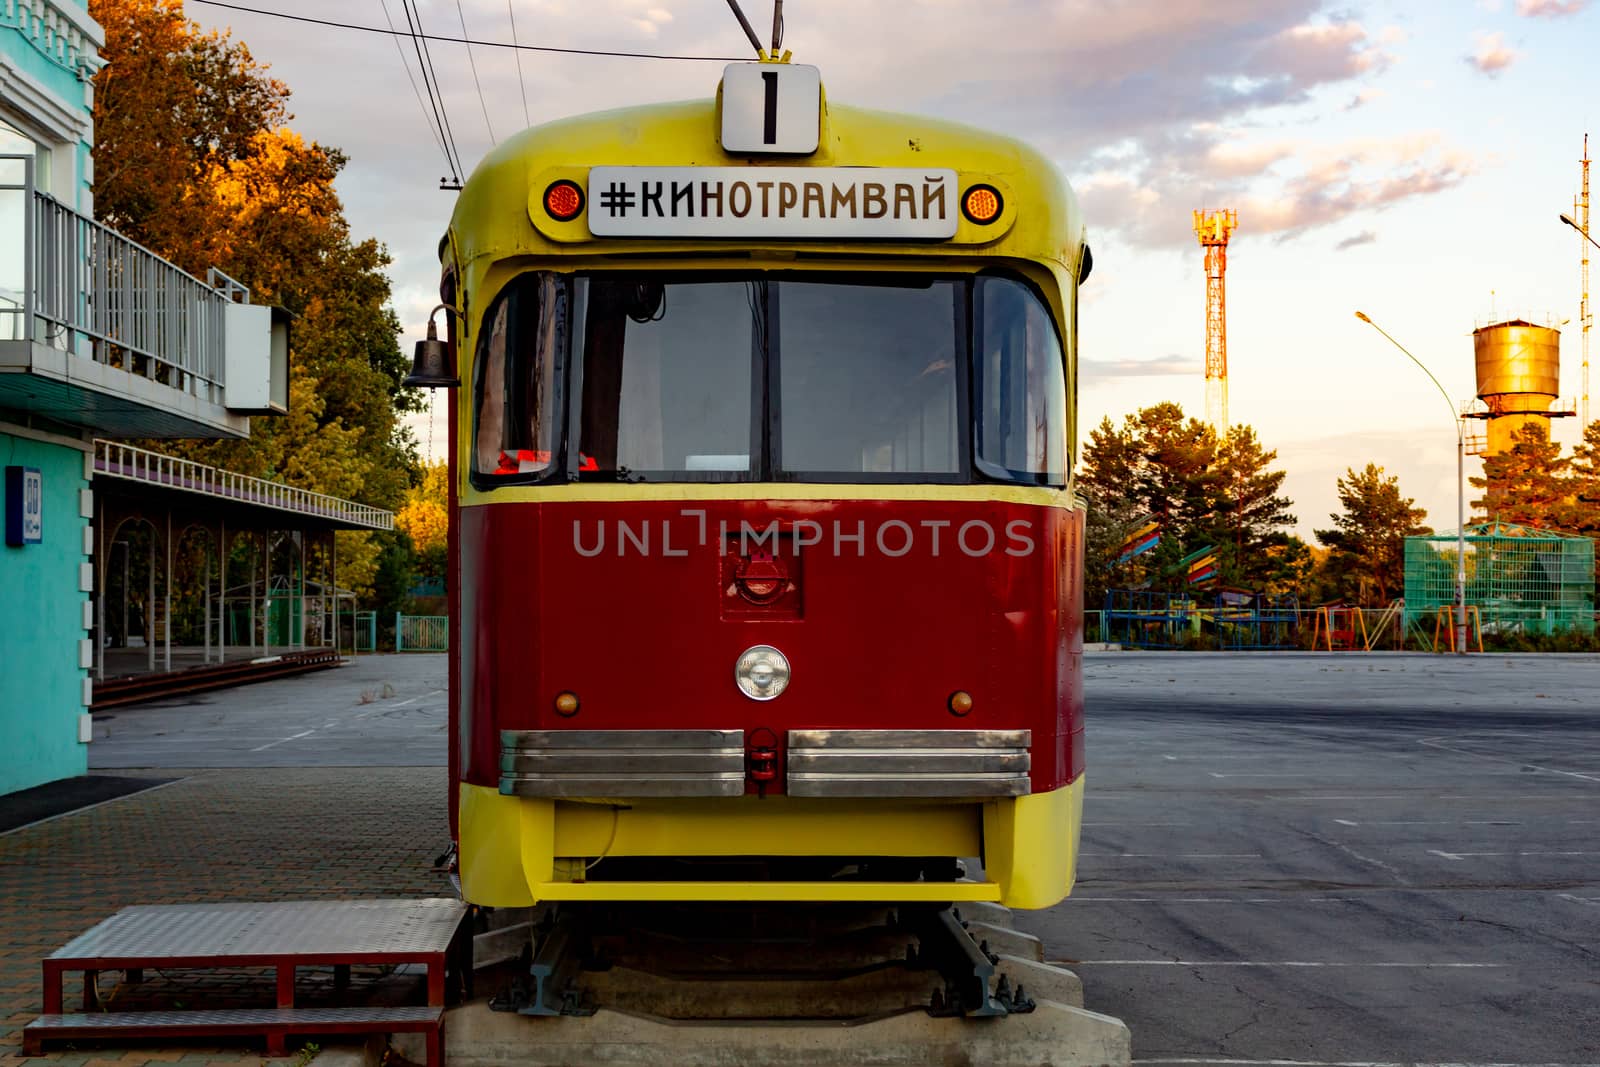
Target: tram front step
[{"x": 274, "y": 1024}]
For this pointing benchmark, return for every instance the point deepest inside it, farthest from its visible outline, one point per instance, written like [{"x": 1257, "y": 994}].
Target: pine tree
[
  {"x": 1366, "y": 561},
  {"x": 1529, "y": 485},
  {"x": 1585, "y": 484},
  {"x": 1160, "y": 466},
  {"x": 1250, "y": 515}
]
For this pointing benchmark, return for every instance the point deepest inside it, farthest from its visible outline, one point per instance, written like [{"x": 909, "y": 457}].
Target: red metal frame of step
[{"x": 282, "y": 935}]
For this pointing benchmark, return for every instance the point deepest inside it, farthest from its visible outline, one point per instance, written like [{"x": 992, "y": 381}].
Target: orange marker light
[
  {"x": 567, "y": 704},
  {"x": 563, "y": 200},
  {"x": 982, "y": 204},
  {"x": 960, "y": 702}
]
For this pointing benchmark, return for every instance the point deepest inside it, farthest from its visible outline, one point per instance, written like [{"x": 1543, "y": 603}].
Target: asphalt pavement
[
  {"x": 1351, "y": 859},
  {"x": 1354, "y": 859},
  {"x": 375, "y": 711}
]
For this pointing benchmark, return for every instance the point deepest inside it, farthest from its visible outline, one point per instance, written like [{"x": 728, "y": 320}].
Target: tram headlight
[{"x": 762, "y": 672}]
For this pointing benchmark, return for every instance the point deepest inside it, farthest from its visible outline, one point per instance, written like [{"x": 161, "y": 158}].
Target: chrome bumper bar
[
  {"x": 857, "y": 764},
  {"x": 622, "y": 763},
  {"x": 908, "y": 763}
]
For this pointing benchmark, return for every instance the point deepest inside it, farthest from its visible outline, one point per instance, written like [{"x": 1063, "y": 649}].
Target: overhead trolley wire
[
  {"x": 458, "y": 40},
  {"x": 473, "y": 65},
  {"x": 425, "y": 60},
  {"x": 438, "y": 87},
  {"x": 526, "y": 119},
  {"x": 400, "y": 50}
]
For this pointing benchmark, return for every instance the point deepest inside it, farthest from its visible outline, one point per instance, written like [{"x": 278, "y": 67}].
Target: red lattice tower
[{"x": 1214, "y": 228}]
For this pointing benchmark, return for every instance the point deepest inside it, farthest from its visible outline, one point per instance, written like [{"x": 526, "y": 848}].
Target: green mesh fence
[{"x": 1520, "y": 579}]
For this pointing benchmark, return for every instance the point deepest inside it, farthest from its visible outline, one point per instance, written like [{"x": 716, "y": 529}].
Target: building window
[{"x": 13, "y": 142}]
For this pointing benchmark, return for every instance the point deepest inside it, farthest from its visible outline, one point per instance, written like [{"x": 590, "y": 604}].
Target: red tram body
[{"x": 766, "y": 560}]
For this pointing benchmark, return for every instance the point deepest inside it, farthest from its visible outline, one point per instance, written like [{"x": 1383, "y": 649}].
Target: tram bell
[{"x": 430, "y": 366}]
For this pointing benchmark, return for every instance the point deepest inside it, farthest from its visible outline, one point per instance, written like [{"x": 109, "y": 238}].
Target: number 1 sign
[{"x": 771, "y": 107}]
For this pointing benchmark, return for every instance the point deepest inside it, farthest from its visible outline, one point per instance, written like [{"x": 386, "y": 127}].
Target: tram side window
[
  {"x": 1021, "y": 402},
  {"x": 867, "y": 379},
  {"x": 667, "y": 373},
  {"x": 517, "y": 365}
]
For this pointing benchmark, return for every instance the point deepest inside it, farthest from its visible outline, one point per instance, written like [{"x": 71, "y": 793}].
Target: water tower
[{"x": 1519, "y": 379}]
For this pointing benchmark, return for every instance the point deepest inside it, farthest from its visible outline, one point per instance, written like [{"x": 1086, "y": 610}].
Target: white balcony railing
[
  {"x": 118, "y": 303},
  {"x": 78, "y": 286},
  {"x": 115, "y": 460}
]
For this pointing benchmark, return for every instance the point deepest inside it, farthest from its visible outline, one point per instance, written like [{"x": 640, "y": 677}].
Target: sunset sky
[{"x": 1405, "y": 159}]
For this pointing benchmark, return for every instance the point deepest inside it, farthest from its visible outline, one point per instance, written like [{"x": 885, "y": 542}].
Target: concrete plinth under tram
[{"x": 851, "y": 993}]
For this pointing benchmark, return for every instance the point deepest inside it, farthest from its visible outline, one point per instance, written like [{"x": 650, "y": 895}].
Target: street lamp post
[
  {"x": 1461, "y": 489},
  {"x": 1568, "y": 220}
]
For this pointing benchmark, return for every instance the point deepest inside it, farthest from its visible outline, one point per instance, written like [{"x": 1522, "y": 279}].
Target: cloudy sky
[{"x": 1407, "y": 159}]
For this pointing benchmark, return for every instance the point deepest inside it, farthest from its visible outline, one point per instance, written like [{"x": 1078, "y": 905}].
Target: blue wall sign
[{"x": 24, "y": 506}]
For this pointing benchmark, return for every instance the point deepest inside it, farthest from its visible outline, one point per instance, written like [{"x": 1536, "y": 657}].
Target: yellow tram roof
[{"x": 1040, "y": 221}]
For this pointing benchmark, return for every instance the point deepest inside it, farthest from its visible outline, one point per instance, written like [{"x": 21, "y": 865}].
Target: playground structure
[
  {"x": 1520, "y": 580},
  {"x": 1344, "y": 628},
  {"x": 1228, "y": 619}
]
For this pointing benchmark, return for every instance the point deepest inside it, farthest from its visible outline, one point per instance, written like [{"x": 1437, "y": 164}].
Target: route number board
[{"x": 771, "y": 107}]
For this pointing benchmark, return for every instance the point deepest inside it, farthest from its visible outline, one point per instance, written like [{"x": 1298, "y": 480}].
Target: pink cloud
[
  {"x": 1492, "y": 56},
  {"x": 1299, "y": 186},
  {"x": 1553, "y": 9}
]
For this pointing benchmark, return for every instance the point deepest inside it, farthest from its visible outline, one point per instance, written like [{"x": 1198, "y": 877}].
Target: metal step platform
[
  {"x": 282, "y": 936},
  {"x": 274, "y": 1024}
]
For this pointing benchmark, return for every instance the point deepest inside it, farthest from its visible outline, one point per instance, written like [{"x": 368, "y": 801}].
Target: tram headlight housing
[{"x": 762, "y": 672}]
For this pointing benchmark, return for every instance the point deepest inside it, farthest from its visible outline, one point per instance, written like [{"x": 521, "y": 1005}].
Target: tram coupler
[
  {"x": 967, "y": 967},
  {"x": 560, "y": 950}
]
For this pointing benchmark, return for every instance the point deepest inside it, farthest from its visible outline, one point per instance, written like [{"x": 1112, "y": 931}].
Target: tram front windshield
[{"x": 848, "y": 378}]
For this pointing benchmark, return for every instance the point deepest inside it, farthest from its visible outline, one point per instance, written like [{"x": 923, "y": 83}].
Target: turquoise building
[{"x": 98, "y": 339}]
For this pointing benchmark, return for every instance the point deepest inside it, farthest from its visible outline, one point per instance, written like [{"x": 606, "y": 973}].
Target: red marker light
[{"x": 563, "y": 200}]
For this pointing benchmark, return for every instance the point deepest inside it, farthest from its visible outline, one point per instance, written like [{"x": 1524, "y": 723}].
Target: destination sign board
[{"x": 799, "y": 203}]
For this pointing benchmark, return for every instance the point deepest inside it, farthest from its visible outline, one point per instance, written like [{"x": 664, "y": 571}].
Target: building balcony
[{"x": 98, "y": 333}]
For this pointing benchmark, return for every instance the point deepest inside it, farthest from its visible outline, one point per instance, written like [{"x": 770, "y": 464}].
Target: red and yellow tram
[{"x": 766, "y": 556}]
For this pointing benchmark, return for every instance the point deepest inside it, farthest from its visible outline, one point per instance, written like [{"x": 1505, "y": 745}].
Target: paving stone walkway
[{"x": 261, "y": 835}]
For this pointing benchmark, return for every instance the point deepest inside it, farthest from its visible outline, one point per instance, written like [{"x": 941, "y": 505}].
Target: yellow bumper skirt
[{"x": 516, "y": 851}]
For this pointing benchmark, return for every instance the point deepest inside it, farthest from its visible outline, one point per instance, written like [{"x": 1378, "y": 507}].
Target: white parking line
[
  {"x": 1170, "y": 855},
  {"x": 1267, "y": 963},
  {"x": 1535, "y": 852},
  {"x": 1332, "y": 1063},
  {"x": 284, "y": 740},
  {"x": 1215, "y": 900},
  {"x": 1287, "y": 774},
  {"x": 1434, "y": 742},
  {"x": 1430, "y": 822},
  {"x": 1422, "y": 795}
]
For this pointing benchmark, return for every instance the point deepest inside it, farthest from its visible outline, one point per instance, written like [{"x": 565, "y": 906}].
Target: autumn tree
[
  {"x": 1528, "y": 485},
  {"x": 425, "y": 518},
  {"x": 195, "y": 160},
  {"x": 1366, "y": 558}
]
